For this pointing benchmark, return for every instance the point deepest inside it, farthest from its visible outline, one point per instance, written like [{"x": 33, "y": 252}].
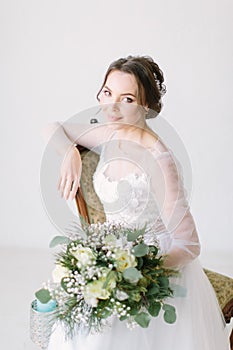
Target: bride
[{"x": 138, "y": 181}]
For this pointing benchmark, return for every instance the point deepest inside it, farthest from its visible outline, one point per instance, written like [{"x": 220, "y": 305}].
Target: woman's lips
[{"x": 113, "y": 118}]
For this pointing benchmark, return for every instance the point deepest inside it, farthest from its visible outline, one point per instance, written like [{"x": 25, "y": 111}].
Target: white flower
[
  {"x": 84, "y": 255},
  {"x": 121, "y": 295},
  {"x": 94, "y": 291},
  {"x": 91, "y": 301},
  {"x": 59, "y": 272},
  {"x": 124, "y": 260},
  {"x": 110, "y": 240}
]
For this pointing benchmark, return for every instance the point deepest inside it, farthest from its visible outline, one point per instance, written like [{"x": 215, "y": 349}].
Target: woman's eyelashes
[
  {"x": 107, "y": 93},
  {"x": 128, "y": 99},
  {"x": 125, "y": 99}
]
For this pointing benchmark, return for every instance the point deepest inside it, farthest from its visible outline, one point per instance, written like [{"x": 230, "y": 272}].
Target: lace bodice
[
  {"x": 129, "y": 200},
  {"x": 141, "y": 186}
]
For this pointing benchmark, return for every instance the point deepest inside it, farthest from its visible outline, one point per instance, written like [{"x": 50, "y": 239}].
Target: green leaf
[
  {"x": 153, "y": 249},
  {"x": 135, "y": 296},
  {"x": 106, "y": 313},
  {"x": 143, "y": 319},
  {"x": 154, "y": 289},
  {"x": 132, "y": 275},
  {"x": 134, "y": 309},
  {"x": 167, "y": 307},
  {"x": 110, "y": 276},
  {"x": 43, "y": 296},
  {"x": 59, "y": 240},
  {"x": 140, "y": 250},
  {"x": 169, "y": 314},
  {"x": 163, "y": 281},
  {"x": 122, "y": 318},
  {"x": 139, "y": 263},
  {"x": 63, "y": 285},
  {"x": 154, "y": 309},
  {"x": 133, "y": 235},
  {"x": 178, "y": 291}
]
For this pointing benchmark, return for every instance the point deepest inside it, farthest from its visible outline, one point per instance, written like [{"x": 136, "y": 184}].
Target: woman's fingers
[
  {"x": 70, "y": 174},
  {"x": 74, "y": 189},
  {"x": 59, "y": 183},
  {"x": 62, "y": 185},
  {"x": 67, "y": 188}
]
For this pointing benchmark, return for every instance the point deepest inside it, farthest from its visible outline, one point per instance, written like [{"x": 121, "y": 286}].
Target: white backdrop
[{"x": 53, "y": 58}]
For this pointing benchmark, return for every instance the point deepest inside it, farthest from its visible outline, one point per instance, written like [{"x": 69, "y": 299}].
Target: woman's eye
[
  {"x": 106, "y": 93},
  {"x": 128, "y": 99}
]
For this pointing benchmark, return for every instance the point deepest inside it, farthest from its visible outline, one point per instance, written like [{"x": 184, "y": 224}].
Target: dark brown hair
[{"x": 149, "y": 78}]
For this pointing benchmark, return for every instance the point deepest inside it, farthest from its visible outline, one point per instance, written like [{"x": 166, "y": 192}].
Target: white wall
[{"x": 53, "y": 58}]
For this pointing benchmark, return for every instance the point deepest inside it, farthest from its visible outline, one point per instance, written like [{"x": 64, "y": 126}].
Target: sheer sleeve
[{"x": 174, "y": 211}]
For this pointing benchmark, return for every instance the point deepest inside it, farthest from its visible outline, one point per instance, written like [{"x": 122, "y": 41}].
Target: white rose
[
  {"x": 94, "y": 291},
  {"x": 124, "y": 260},
  {"x": 59, "y": 272},
  {"x": 84, "y": 255}
]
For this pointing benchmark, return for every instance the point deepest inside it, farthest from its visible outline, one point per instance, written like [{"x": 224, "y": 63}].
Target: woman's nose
[{"x": 116, "y": 106}]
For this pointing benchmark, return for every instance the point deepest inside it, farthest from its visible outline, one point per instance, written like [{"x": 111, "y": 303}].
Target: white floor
[{"x": 24, "y": 271}]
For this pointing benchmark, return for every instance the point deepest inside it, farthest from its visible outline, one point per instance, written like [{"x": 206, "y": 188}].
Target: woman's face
[{"x": 119, "y": 100}]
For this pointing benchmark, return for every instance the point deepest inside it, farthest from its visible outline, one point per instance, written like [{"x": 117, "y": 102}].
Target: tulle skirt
[{"x": 199, "y": 326}]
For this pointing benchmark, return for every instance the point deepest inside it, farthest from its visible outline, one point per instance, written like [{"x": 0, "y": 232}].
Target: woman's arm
[
  {"x": 64, "y": 135},
  {"x": 175, "y": 212},
  {"x": 64, "y": 138}
]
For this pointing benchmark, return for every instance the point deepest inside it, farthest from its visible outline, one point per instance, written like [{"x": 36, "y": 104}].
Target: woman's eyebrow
[{"x": 124, "y": 94}]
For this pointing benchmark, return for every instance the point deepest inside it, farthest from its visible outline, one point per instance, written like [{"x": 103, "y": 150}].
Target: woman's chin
[{"x": 115, "y": 125}]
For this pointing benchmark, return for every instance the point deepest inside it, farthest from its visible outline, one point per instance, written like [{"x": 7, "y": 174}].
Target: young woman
[{"x": 139, "y": 181}]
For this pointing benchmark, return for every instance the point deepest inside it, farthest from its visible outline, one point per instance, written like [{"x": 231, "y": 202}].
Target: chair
[{"x": 91, "y": 210}]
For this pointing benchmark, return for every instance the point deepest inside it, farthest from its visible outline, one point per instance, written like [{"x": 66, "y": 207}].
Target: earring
[{"x": 93, "y": 121}]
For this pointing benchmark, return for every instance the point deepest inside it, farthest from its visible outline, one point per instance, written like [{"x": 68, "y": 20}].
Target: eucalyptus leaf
[
  {"x": 59, "y": 240},
  {"x": 43, "y": 296},
  {"x": 134, "y": 309},
  {"x": 167, "y": 307},
  {"x": 143, "y": 319},
  {"x": 154, "y": 289},
  {"x": 170, "y": 316},
  {"x": 132, "y": 275},
  {"x": 163, "y": 281},
  {"x": 178, "y": 291},
  {"x": 140, "y": 250},
  {"x": 154, "y": 309},
  {"x": 133, "y": 235}
]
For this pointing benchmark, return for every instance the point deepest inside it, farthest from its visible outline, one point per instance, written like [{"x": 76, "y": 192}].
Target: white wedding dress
[{"x": 138, "y": 186}]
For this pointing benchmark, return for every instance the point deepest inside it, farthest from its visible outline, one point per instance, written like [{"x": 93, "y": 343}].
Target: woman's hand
[{"x": 70, "y": 174}]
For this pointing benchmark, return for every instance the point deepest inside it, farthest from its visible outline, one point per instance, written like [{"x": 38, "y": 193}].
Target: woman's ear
[{"x": 146, "y": 109}]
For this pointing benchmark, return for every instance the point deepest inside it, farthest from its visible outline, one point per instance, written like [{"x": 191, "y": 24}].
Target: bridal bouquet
[{"x": 106, "y": 270}]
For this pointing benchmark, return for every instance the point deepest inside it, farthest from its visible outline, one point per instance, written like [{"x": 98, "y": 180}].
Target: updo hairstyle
[{"x": 149, "y": 79}]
